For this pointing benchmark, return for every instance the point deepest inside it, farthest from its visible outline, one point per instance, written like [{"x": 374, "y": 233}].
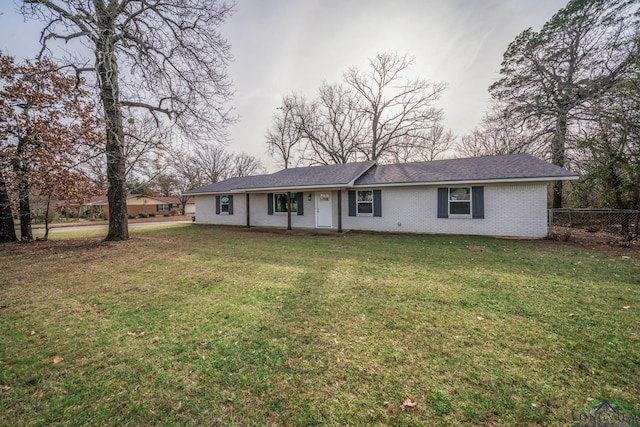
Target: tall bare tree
[
  {"x": 332, "y": 126},
  {"x": 285, "y": 135},
  {"x": 165, "y": 56},
  {"x": 547, "y": 77},
  {"x": 245, "y": 164},
  {"x": 374, "y": 115},
  {"x": 395, "y": 107},
  {"x": 500, "y": 133},
  {"x": 425, "y": 146}
]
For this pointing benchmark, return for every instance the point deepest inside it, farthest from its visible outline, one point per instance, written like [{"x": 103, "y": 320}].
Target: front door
[{"x": 323, "y": 209}]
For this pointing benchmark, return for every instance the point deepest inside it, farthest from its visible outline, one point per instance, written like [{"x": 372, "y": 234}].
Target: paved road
[{"x": 39, "y": 231}]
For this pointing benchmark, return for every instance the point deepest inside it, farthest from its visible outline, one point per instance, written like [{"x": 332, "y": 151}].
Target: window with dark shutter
[{"x": 270, "y": 203}]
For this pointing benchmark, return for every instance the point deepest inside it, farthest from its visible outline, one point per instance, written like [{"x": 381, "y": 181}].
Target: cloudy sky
[{"x": 284, "y": 46}]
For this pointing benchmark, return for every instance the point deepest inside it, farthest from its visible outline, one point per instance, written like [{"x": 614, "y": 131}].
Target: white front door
[{"x": 323, "y": 209}]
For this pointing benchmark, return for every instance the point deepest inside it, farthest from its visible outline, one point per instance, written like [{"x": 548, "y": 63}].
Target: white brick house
[{"x": 494, "y": 195}]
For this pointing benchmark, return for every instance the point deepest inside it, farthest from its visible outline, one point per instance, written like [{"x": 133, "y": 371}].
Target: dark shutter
[
  {"x": 299, "y": 200},
  {"x": 477, "y": 202},
  {"x": 377, "y": 203},
  {"x": 157, "y": 208},
  {"x": 270, "y": 203},
  {"x": 230, "y": 205},
  {"x": 352, "y": 203},
  {"x": 443, "y": 203},
  {"x": 217, "y": 205}
]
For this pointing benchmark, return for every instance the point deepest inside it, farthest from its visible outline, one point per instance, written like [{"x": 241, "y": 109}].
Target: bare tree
[
  {"x": 245, "y": 164},
  {"x": 426, "y": 146},
  {"x": 165, "y": 56},
  {"x": 284, "y": 136},
  {"x": 395, "y": 108},
  {"x": 213, "y": 161},
  {"x": 333, "y": 125},
  {"x": 500, "y": 133},
  {"x": 374, "y": 115}
]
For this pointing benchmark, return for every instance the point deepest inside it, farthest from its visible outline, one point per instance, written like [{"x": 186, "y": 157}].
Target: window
[
  {"x": 365, "y": 202},
  {"x": 224, "y": 204},
  {"x": 459, "y": 201},
  {"x": 281, "y": 202},
  {"x": 164, "y": 207}
]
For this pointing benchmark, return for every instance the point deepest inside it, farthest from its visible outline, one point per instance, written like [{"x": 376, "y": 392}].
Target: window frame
[
  {"x": 460, "y": 202},
  {"x": 224, "y": 204},
  {"x": 294, "y": 203},
  {"x": 364, "y": 202}
]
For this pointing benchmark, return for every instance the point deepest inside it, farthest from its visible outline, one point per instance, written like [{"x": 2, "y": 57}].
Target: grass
[{"x": 211, "y": 325}]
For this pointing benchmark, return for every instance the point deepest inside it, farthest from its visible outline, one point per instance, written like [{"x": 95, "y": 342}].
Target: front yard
[{"x": 210, "y": 325}]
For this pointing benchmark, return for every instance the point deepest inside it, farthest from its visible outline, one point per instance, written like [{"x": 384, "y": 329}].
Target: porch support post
[
  {"x": 339, "y": 211},
  {"x": 248, "y": 213},
  {"x": 288, "y": 210}
]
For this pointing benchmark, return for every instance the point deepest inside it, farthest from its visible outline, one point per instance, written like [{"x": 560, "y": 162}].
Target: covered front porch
[{"x": 311, "y": 209}]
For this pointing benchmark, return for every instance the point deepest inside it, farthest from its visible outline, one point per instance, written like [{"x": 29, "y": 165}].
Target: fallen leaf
[
  {"x": 32, "y": 333},
  {"x": 571, "y": 315},
  {"x": 57, "y": 359},
  {"x": 135, "y": 334},
  {"x": 480, "y": 318},
  {"x": 626, "y": 307},
  {"x": 408, "y": 404}
]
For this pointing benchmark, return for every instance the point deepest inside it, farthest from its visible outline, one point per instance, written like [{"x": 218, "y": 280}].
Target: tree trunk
[
  {"x": 26, "y": 234},
  {"x": 21, "y": 170},
  {"x": 7, "y": 228},
  {"x": 107, "y": 71},
  {"x": 46, "y": 219},
  {"x": 558, "y": 154}
]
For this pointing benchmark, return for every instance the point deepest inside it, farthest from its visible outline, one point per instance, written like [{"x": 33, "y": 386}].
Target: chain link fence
[{"x": 615, "y": 225}]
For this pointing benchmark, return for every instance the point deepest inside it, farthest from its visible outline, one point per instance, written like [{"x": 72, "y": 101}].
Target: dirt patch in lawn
[{"x": 611, "y": 244}]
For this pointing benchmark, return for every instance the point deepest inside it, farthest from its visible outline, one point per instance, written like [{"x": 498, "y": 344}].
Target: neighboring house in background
[
  {"x": 140, "y": 203},
  {"x": 494, "y": 195}
]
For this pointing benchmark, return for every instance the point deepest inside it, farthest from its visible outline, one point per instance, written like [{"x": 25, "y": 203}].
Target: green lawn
[{"x": 210, "y": 325}]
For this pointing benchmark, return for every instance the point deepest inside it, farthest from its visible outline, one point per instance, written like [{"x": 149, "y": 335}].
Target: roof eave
[{"x": 470, "y": 181}]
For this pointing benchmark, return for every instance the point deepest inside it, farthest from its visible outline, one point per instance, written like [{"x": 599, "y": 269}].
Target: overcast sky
[{"x": 284, "y": 46}]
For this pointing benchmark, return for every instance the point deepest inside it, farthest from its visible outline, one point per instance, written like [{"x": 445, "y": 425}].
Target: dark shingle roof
[
  {"x": 506, "y": 167},
  {"x": 341, "y": 174},
  {"x": 227, "y": 185},
  {"x": 320, "y": 176}
]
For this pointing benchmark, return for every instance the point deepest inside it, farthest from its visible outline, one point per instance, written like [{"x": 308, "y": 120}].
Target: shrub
[
  {"x": 131, "y": 216},
  {"x": 142, "y": 215},
  {"x": 152, "y": 215}
]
